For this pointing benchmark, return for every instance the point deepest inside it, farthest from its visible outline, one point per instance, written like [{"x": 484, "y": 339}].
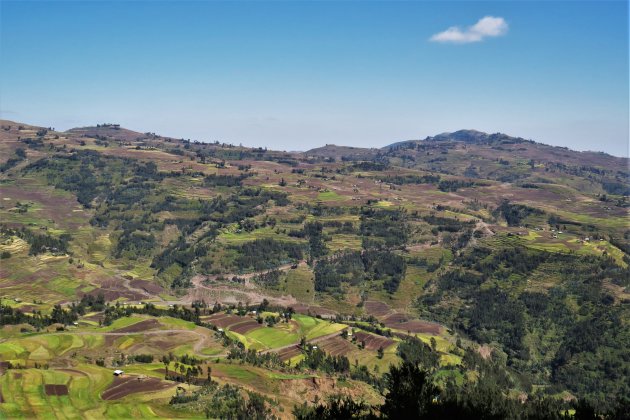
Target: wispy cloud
[{"x": 486, "y": 27}]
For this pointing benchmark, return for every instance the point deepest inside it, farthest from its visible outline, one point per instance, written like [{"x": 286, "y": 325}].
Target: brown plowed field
[
  {"x": 313, "y": 310},
  {"x": 141, "y": 326},
  {"x": 123, "y": 386},
  {"x": 394, "y": 319},
  {"x": 336, "y": 346},
  {"x": 289, "y": 352},
  {"x": 373, "y": 342},
  {"x": 245, "y": 326},
  {"x": 113, "y": 294},
  {"x": 234, "y": 322},
  {"x": 222, "y": 320},
  {"x": 416, "y": 326},
  {"x": 376, "y": 308},
  {"x": 147, "y": 286},
  {"x": 56, "y": 389}
]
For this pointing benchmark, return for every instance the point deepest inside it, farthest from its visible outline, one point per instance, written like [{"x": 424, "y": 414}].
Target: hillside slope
[{"x": 518, "y": 249}]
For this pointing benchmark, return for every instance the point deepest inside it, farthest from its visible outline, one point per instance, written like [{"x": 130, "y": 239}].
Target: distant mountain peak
[{"x": 472, "y": 136}]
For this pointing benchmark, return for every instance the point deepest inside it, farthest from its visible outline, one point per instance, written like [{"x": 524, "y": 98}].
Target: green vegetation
[{"x": 184, "y": 240}]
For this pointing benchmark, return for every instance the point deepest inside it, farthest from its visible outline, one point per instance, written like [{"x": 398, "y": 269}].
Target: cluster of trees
[
  {"x": 39, "y": 243},
  {"x": 374, "y": 328},
  {"x": 314, "y": 232},
  {"x": 415, "y": 351},
  {"x": 411, "y": 393},
  {"x": 214, "y": 214},
  {"x": 386, "y": 266},
  {"x": 142, "y": 358},
  {"x": 187, "y": 374},
  {"x": 113, "y": 312},
  {"x": 354, "y": 267},
  {"x": 383, "y": 228},
  {"x": 268, "y": 360},
  {"x": 126, "y": 195},
  {"x": 58, "y": 315},
  {"x": 515, "y": 214},
  {"x": 317, "y": 359},
  {"x": 370, "y": 166},
  {"x": 538, "y": 331},
  {"x": 447, "y": 224},
  {"x": 20, "y": 155},
  {"x": 346, "y": 227},
  {"x": 266, "y": 253},
  {"x": 225, "y": 402},
  {"x": 86, "y": 173},
  {"x": 452, "y": 185},
  {"x": 12, "y": 316},
  {"x": 134, "y": 244},
  {"x": 616, "y": 187},
  {"x": 220, "y": 180},
  {"x": 410, "y": 179},
  {"x": 270, "y": 278}
]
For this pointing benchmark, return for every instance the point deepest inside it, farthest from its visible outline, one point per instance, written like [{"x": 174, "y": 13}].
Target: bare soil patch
[
  {"x": 376, "y": 308},
  {"x": 54, "y": 206},
  {"x": 289, "y": 352},
  {"x": 56, "y": 389},
  {"x": 123, "y": 386},
  {"x": 395, "y": 319},
  {"x": 147, "y": 286},
  {"x": 215, "y": 318},
  {"x": 117, "y": 293},
  {"x": 141, "y": 326},
  {"x": 225, "y": 320},
  {"x": 336, "y": 346},
  {"x": 313, "y": 310},
  {"x": 373, "y": 342},
  {"x": 416, "y": 326},
  {"x": 27, "y": 308},
  {"x": 485, "y": 351},
  {"x": 245, "y": 326}
]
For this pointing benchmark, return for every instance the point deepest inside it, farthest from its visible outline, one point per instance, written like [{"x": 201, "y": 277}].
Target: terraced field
[
  {"x": 73, "y": 393},
  {"x": 57, "y": 367},
  {"x": 373, "y": 341},
  {"x": 260, "y": 337}
]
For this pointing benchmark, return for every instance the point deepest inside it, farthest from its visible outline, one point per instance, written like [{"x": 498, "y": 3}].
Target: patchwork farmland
[{"x": 197, "y": 267}]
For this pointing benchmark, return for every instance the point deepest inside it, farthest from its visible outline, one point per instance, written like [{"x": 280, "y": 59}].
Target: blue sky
[{"x": 292, "y": 75}]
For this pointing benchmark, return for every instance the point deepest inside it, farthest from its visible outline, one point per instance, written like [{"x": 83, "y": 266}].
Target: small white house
[{"x": 118, "y": 372}]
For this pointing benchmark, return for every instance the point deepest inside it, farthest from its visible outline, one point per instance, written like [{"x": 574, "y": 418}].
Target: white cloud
[{"x": 488, "y": 26}]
